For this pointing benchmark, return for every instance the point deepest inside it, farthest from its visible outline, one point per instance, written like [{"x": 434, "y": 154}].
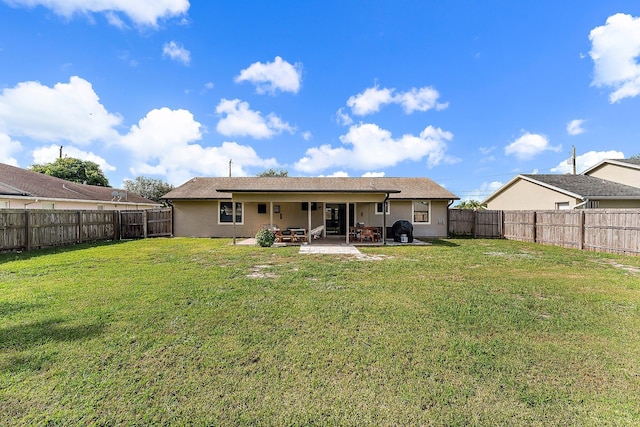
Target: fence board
[
  {"x": 28, "y": 229},
  {"x": 612, "y": 230}
]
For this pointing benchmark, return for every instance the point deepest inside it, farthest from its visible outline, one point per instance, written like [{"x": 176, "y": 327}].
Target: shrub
[{"x": 265, "y": 237}]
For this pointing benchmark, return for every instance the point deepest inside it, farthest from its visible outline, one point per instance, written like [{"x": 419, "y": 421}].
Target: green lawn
[{"x": 199, "y": 332}]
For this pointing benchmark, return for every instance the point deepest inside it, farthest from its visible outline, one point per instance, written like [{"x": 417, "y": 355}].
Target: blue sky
[{"x": 467, "y": 93}]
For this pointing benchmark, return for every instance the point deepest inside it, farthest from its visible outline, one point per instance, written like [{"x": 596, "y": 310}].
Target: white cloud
[
  {"x": 8, "y": 148},
  {"x": 587, "y": 160},
  {"x": 416, "y": 99},
  {"x": 271, "y": 77},
  {"x": 52, "y": 152},
  {"x": 529, "y": 145},
  {"x": 336, "y": 174},
  {"x": 141, "y": 12},
  {"x": 615, "y": 48},
  {"x": 373, "y": 175},
  {"x": 367, "y": 146},
  {"x": 239, "y": 120},
  {"x": 422, "y": 99},
  {"x": 66, "y": 112},
  {"x": 343, "y": 118},
  {"x": 306, "y": 135},
  {"x": 370, "y": 100},
  {"x": 485, "y": 190},
  {"x": 176, "y": 52},
  {"x": 574, "y": 127},
  {"x": 163, "y": 143}
]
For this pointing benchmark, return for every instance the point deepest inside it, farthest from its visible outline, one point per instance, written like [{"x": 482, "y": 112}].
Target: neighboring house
[
  {"x": 239, "y": 206},
  {"x": 25, "y": 189},
  {"x": 624, "y": 171},
  {"x": 544, "y": 192}
]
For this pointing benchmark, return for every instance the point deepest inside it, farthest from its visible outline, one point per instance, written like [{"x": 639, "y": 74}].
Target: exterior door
[{"x": 336, "y": 214}]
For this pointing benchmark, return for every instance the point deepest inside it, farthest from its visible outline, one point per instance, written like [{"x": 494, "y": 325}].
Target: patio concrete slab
[{"x": 329, "y": 249}]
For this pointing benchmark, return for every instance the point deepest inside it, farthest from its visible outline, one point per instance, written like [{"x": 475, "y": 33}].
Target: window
[
  {"x": 421, "y": 211},
  {"x": 4, "y": 204},
  {"x": 305, "y": 206},
  {"x": 562, "y": 205},
  {"x": 379, "y": 208},
  {"x": 226, "y": 213},
  {"x": 48, "y": 205},
  {"x": 100, "y": 207},
  {"x": 262, "y": 208}
]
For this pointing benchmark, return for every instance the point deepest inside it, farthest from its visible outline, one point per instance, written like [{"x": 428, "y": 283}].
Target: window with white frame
[
  {"x": 379, "y": 208},
  {"x": 225, "y": 215},
  {"x": 48, "y": 205},
  {"x": 4, "y": 204},
  {"x": 422, "y": 211},
  {"x": 562, "y": 206}
]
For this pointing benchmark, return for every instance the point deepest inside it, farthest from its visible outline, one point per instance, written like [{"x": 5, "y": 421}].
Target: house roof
[
  {"x": 221, "y": 188},
  {"x": 629, "y": 163},
  {"x": 17, "y": 182},
  {"x": 578, "y": 186}
]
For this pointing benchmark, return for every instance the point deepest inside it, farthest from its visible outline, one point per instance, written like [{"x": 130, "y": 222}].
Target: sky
[{"x": 467, "y": 93}]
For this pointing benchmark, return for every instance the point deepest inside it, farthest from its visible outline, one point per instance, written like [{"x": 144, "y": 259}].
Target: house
[
  {"x": 25, "y": 189},
  {"x": 239, "y": 206},
  {"x": 624, "y": 171},
  {"x": 546, "y": 191}
]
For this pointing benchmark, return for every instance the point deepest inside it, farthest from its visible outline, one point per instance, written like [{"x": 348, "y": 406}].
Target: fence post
[
  {"x": 117, "y": 221},
  {"x": 27, "y": 230},
  {"x": 475, "y": 224},
  {"x": 581, "y": 230},
  {"x": 145, "y": 225},
  {"x": 535, "y": 220},
  {"x": 80, "y": 225}
]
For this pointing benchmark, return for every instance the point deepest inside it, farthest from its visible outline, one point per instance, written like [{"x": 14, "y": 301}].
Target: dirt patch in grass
[
  {"x": 631, "y": 269},
  {"x": 257, "y": 272}
]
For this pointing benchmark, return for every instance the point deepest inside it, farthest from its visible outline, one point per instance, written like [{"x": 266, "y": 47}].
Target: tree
[
  {"x": 275, "y": 173},
  {"x": 150, "y": 188},
  {"x": 74, "y": 170},
  {"x": 470, "y": 204}
]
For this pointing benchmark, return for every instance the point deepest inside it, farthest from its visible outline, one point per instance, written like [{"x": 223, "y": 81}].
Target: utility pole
[
  {"x": 573, "y": 159},
  {"x": 61, "y": 151},
  {"x": 230, "y": 161}
]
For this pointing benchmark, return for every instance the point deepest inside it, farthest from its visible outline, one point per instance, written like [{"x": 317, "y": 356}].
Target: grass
[{"x": 198, "y": 332}]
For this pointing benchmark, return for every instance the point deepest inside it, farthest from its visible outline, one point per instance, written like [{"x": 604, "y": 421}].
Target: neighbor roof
[
  {"x": 578, "y": 186},
  {"x": 15, "y": 181},
  {"x": 220, "y": 188}
]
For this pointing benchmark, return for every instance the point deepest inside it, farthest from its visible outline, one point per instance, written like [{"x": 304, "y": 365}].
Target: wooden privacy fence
[
  {"x": 27, "y": 229},
  {"x": 601, "y": 230}
]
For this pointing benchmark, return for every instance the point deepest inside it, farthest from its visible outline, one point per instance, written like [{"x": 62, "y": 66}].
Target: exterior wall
[
  {"x": 26, "y": 203},
  {"x": 623, "y": 175},
  {"x": 619, "y": 204},
  {"x": 524, "y": 195},
  {"x": 200, "y": 218}
]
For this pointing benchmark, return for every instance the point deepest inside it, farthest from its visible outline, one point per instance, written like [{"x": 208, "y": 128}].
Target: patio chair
[
  {"x": 315, "y": 233},
  {"x": 284, "y": 236},
  {"x": 299, "y": 234}
]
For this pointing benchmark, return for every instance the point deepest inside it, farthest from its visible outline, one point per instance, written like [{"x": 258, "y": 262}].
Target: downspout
[
  {"x": 581, "y": 204},
  {"x": 384, "y": 219},
  {"x": 448, "y": 207}
]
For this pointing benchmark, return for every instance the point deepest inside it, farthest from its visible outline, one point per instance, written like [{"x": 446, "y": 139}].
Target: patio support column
[
  {"x": 271, "y": 214},
  {"x": 233, "y": 211},
  {"x": 324, "y": 219},
  {"x": 347, "y": 224},
  {"x": 309, "y": 237},
  {"x": 384, "y": 219}
]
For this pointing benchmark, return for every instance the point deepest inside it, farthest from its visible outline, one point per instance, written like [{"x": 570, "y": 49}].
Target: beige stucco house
[
  {"x": 240, "y": 206},
  {"x": 25, "y": 189},
  {"x": 544, "y": 192},
  {"x": 623, "y": 171}
]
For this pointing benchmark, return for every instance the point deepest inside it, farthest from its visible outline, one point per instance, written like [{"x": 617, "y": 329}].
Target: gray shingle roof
[
  {"x": 21, "y": 182},
  {"x": 401, "y": 188},
  {"x": 587, "y": 187}
]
